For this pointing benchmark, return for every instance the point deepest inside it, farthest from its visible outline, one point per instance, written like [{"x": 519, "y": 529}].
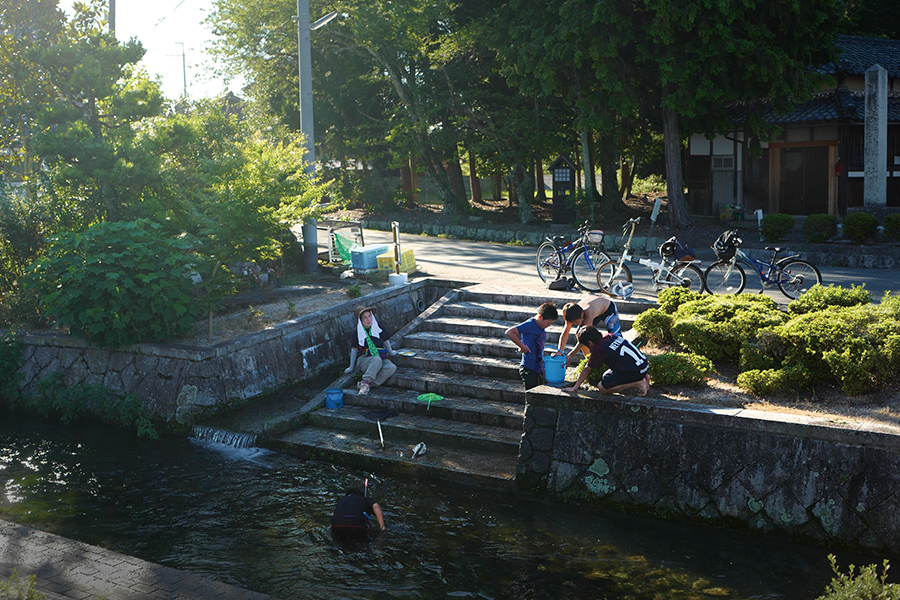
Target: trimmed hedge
[
  {"x": 775, "y": 226},
  {"x": 860, "y": 227},
  {"x": 819, "y": 228}
]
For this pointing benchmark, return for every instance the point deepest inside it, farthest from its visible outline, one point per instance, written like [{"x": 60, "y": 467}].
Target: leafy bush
[
  {"x": 892, "y": 227},
  {"x": 775, "y": 226},
  {"x": 772, "y": 381},
  {"x": 16, "y": 589},
  {"x": 819, "y": 228},
  {"x": 117, "y": 284},
  {"x": 10, "y": 361},
  {"x": 821, "y": 298},
  {"x": 593, "y": 377},
  {"x": 865, "y": 585},
  {"x": 54, "y": 399},
  {"x": 680, "y": 368},
  {"x": 859, "y": 227},
  {"x": 655, "y": 325},
  {"x": 754, "y": 357},
  {"x": 670, "y": 299}
]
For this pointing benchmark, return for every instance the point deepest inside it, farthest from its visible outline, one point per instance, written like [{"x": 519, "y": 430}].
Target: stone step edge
[{"x": 382, "y": 398}]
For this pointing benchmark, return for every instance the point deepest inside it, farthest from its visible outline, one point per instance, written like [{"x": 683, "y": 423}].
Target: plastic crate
[
  {"x": 364, "y": 258},
  {"x": 407, "y": 262}
]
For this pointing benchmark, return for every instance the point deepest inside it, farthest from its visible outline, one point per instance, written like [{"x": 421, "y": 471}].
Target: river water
[{"x": 259, "y": 520}]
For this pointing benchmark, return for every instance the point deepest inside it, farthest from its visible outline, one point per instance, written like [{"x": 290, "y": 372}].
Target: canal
[{"x": 259, "y": 520}]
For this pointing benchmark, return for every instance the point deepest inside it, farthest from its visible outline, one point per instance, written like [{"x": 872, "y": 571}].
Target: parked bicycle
[
  {"x": 555, "y": 258},
  {"x": 792, "y": 275},
  {"x": 675, "y": 269}
]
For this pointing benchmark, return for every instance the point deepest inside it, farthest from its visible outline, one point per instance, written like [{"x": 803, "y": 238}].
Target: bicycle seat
[
  {"x": 559, "y": 240},
  {"x": 775, "y": 249}
]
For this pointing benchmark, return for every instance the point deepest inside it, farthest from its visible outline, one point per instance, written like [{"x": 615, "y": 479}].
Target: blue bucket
[
  {"x": 334, "y": 398},
  {"x": 554, "y": 367}
]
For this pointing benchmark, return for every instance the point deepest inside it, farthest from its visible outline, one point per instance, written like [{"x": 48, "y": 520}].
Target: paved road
[{"x": 514, "y": 266}]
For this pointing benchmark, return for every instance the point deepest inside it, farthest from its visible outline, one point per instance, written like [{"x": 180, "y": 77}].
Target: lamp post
[{"x": 304, "y": 60}]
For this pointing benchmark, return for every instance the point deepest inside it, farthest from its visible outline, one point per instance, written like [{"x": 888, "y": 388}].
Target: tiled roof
[
  {"x": 858, "y": 54},
  {"x": 834, "y": 105}
]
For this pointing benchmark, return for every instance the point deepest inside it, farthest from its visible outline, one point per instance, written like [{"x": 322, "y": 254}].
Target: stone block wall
[
  {"x": 184, "y": 382},
  {"x": 805, "y": 478}
]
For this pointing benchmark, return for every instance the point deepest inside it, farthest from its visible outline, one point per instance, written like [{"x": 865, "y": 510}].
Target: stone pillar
[{"x": 875, "y": 194}]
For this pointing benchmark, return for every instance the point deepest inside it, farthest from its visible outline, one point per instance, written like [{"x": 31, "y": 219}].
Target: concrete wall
[
  {"x": 184, "y": 382},
  {"x": 810, "y": 479}
]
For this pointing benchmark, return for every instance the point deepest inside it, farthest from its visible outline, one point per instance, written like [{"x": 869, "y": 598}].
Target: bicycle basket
[
  {"x": 726, "y": 245},
  {"x": 672, "y": 248},
  {"x": 593, "y": 237}
]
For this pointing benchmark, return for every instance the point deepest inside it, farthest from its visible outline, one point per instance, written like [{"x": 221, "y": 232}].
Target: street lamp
[{"x": 310, "y": 233}]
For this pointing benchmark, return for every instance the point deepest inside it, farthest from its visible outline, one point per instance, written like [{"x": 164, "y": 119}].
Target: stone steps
[{"x": 462, "y": 354}]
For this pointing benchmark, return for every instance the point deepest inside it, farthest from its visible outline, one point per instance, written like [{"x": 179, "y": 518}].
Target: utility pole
[
  {"x": 183, "y": 69},
  {"x": 112, "y": 17}
]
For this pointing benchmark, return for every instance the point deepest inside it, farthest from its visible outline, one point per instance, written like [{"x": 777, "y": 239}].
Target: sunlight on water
[{"x": 259, "y": 520}]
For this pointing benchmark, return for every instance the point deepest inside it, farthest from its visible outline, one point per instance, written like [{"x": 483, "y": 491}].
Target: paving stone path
[{"x": 68, "y": 570}]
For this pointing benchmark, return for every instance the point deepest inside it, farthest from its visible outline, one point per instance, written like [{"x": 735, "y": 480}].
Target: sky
[{"x": 160, "y": 25}]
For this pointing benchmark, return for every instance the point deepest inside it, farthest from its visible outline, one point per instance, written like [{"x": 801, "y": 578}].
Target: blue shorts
[{"x": 613, "y": 378}]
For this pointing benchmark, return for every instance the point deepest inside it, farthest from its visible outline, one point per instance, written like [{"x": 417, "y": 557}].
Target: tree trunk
[
  {"x": 587, "y": 158},
  {"x": 457, "y": 183},
  {"x": 406, "y": 183},
  {"x": 513, "y": 191},
  {"x": 414, "y": 179},
  {"x": 627, "y": 168},
  {"x": 611, "y": 201},
  {"x": 474, "y": 181},
  {"x": 523, "y": 185},
  {"x": 497, "y": 186},
  {"x": 678, "y": 217},
  {"x": 541, "y": 195}
]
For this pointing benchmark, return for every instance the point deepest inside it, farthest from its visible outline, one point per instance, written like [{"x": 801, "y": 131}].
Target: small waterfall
[{"x": 221, "y": 436}]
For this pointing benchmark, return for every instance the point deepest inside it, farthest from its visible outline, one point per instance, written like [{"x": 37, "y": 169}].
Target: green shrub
[
  {"x": 680, "y": 368},
  {"x": 754, "y": 357},
  {"x": 54, "y": 399},
  {"x": 16, "y": 589},
  {"x": 716, "y": 341},
  {"x": 866, "y": 585},
  {"x": 772, "y": 381},
  {"x": 117, "y": 284},
  {"x": 821, "y": 298},
  {"x": 593, "y": 377},
  {"x": 892, "y": 227},
  {"x": 775, "y": 226},
  {"x": 819, "y": 228},
  {"x": 10, "y": 360},
  {"x": 859, "y": 227},
  {"x": 670, "y": 299},
  {"x": 655, "y": 325}
]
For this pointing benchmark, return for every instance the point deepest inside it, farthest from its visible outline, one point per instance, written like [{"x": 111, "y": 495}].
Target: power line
[{"x": 174, "y": 10}]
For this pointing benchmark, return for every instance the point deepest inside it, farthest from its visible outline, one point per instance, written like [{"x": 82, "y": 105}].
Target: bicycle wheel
[
  {"x": 584, "y": 267},
  {"x": 609, "y": 274},
  {"x": 548, "y": 264},
  {"x": 691, "y": 277},
  {"x": 725, "y": 277},
  {"x": 796, "y": 277}
]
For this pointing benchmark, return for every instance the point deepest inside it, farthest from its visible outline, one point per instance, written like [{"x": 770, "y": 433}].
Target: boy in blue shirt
[{"x": 530, "y": 337}]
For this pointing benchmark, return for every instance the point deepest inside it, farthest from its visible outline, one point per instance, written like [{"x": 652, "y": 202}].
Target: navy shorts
[{"x": 611, "y": 379}]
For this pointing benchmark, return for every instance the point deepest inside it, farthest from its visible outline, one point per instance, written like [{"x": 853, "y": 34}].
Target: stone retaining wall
[
  {"x": 185, "y": 382},
  {"x": 811, "y": 479}
]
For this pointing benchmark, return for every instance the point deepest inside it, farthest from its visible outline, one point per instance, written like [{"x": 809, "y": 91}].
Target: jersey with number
[{"x": 618, "y": 354}]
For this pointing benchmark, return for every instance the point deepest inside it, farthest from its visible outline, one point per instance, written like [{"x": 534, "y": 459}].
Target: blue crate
[{"x": 364, "y": 258}]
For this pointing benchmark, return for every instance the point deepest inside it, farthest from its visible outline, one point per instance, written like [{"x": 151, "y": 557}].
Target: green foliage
[
  {"x": 655, "y": 325},
  {"x": 892, "y": 227},
  {"x": 776, "y": 226},
  {"x": 755, "y": 358},
  {"x": 773, "y": 381},
  {"x": 354, "y": 291},
  {"x": 819, "y": 228},
  {"x": 54, "y": 399},
  {"x": 649, "y": 185},
  {"x": 11, "y": 357},
  {"x": 671, "y": 298},
  {"x": 859, "y": 227},
  {"x": 593, "y": 377},
  {"x": 865, "y": 585},
  {"x": 16, "y": 589},
  {"x": 680, "y": 368},
  {"x": 117, "y": 284},
  {"x": 820, "y": 297}
]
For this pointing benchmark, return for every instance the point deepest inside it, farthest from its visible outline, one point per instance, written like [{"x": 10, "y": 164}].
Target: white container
[{"x": 397, "y": 279}]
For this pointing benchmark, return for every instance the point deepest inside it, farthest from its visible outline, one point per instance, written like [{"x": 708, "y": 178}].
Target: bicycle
[
  {"x": 792, "y": 275},
  {"x": 671, "y": 271},
  {"x": 555, "y": 259}
]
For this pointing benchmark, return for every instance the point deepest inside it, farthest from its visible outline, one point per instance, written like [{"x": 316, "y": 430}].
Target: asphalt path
[{"x": 514, "y": 266}]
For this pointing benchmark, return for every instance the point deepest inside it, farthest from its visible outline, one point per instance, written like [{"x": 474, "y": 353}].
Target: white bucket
[{"x": 395, "y": 279}]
